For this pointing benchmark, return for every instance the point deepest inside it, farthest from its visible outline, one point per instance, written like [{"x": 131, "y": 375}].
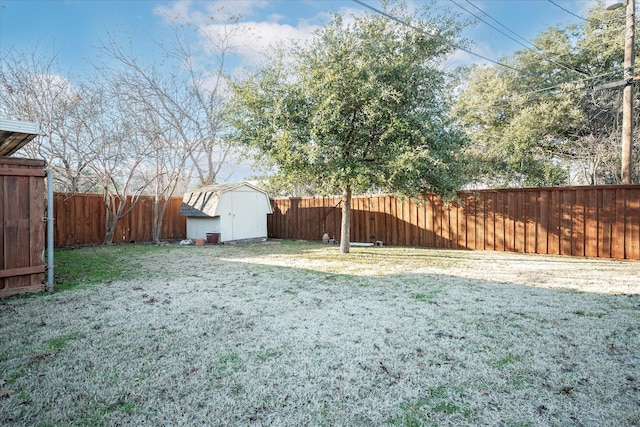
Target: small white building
[{"x": 235, "y": 211}]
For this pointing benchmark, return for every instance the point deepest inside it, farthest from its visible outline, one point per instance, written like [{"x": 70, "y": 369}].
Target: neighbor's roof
[
  {"x": 15, "y": 134},
  {"x": 204, "y": 201}
]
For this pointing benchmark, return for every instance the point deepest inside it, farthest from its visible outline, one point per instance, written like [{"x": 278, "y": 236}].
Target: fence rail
[{"x": 601, "y": 221}]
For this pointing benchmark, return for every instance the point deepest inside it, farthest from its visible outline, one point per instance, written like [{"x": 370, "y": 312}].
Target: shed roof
[
  {"x": 15, "y": 134},
  {"x": 204, "y": 201}
]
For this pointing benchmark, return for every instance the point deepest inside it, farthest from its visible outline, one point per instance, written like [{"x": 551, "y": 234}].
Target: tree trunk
[
  {"x": 159, "y": 209},
  {"x": 108, "y": 224},
  {"x": 114, "y": 213},
  {"x": 345, "y": 229},
  {"x": 110, "y": 229},
  {"x": 156, "y": 225}
]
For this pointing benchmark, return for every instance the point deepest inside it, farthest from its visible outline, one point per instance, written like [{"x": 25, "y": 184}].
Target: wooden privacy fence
[
  {"x": 599, "y": 221},
  {"x": 80, "y": 218},
  {"x": 22, "y": 213}
]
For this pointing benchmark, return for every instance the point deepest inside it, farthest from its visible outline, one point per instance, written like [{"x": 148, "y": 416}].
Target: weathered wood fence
[
  {"x": 80, "y": 218},
  {"x": 22, "y": 227},
  {"x": 601, "y": 221}
]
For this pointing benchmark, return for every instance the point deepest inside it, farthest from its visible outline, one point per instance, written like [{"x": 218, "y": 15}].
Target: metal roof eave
[{"x": 15, "y": 134}]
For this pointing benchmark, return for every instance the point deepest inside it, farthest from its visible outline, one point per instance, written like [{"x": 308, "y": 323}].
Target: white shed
[{"x": 235, "y": 211}]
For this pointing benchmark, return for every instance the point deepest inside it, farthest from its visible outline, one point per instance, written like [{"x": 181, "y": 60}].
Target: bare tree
[
  {"x": 208, "y": 92},
  {"x": 167, "y": 159},
  {"x": 142, "y": 94},
  {"x": 33, "y": 89},
  {"x": 179, "y": 106},
  {"x": 119, "y": 151},
  {"x": 593, "y": 151},
  {"x": 134, "y": 126}
]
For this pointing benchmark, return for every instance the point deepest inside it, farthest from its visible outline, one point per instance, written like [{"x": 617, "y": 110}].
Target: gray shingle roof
[{"x": 204, "y": 201}]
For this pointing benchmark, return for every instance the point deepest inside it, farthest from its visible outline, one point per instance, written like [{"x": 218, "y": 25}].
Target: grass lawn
[{"x": 296, "y": 334}]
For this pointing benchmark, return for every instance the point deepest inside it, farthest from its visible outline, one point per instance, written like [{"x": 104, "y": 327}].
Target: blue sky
[{"x": 74, "y": 28}]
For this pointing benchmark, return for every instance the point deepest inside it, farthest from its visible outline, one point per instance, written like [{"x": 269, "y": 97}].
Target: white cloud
[
  {"x": 248, "y": 37},
  {"x": 257, "y": 38}
]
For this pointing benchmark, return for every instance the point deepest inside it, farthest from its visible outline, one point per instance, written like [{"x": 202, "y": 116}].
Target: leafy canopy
[
  {"x": 544, "y": 124},
  {"x": 360, "y": 107}
]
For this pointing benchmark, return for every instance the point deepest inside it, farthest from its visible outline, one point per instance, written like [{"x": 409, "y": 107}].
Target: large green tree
[
  {"x": 360, "y": 107},
  {"x": 540, "y": 120}
]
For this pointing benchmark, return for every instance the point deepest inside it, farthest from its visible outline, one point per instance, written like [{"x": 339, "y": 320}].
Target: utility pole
[{"x": 627, "y": 96}]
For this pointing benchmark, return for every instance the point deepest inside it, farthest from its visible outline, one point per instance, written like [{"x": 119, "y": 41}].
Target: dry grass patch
[{"x": 295, "y": 334}]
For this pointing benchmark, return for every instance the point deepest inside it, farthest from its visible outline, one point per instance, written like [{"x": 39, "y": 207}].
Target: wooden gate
[{"x": 22, "y": 227}]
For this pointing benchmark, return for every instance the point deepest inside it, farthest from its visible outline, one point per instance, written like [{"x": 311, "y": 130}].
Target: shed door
[{"x": 244, "y": 224}]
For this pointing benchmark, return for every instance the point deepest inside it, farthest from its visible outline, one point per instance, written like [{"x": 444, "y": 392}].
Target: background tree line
[
  {"x": 542, "y": 120},
  {"x": 368, "y": 105}
]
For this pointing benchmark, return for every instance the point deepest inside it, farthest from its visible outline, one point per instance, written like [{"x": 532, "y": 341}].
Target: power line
[
  {"x": 400, "y": 21},
  {"x": 571, "y": 82},
  {"x": 588, "y": 19},
  {"x": 567, "y": 10},
  {"x": 540, "y": 51},
  {"x": 420, "y": 30},
  {"x": 499, "y": 23}
]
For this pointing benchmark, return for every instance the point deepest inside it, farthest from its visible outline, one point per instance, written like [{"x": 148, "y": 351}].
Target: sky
[{"x": 74, "y": 29}]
